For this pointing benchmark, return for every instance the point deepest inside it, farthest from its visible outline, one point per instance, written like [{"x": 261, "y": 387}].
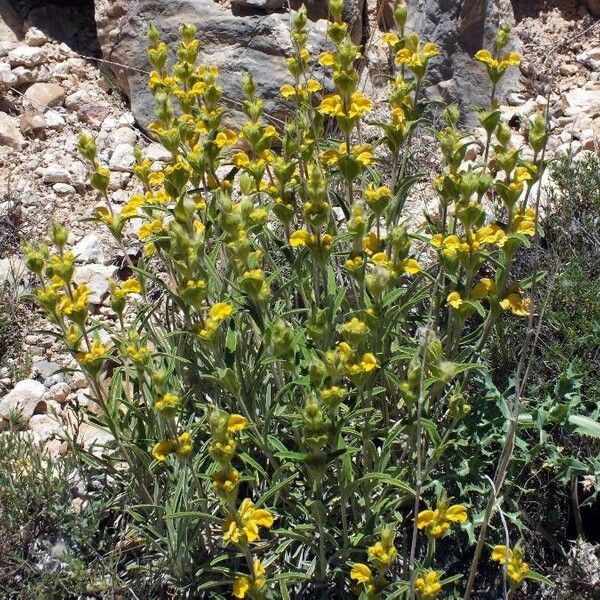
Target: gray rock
[
  {"x": 24, "y": 76},
  {"x": 26, "y": 398},
  {"x": 581, "y": 100},
  {"x": 96, "y": 277},
  {"x": 460, "y": 28},
  {"x": 122, "y": 158},
  {"x": 35, "y": 37},
  {"x": 45, "y": 95},
  {"x": 54, "y": 119},
  {"x": 64, "y": 189},
  {"x": 158, "y": 152},
  {"x": 9, "y": 133},
  {"x": 49, "y": 372},
  {"x": 32, "y": 123},
  {"x": 11, "y": 26},
  {"x": 89, "y": 250},
  {"x": 7, "y": 77},
  {"x": 45, "y": 426},
  {"x": 59, "y": 392},
  {"x": 54, "y": 174},
  {"x": 26, "y": 56},
  {"x": 234, "y": 39}
]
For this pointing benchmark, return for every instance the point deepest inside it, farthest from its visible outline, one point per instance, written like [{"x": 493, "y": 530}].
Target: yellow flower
[
  {"x": 331, "y": 106},
  {"x": 327, "y": 59},
  {"x": 437, "y": 522},
  {"x": 244, "y": 527},
  {"x": 243, "y": 583},
  {"x": 428, "y": 585},
  {"x": 167, "y": 404},
  {"x": 390, "y": 38},
  {"x": 162, "y": 449},
  {"x": 300, "y": 238},
  {"x": 518, "y": 305},
  {"x": 226, "y": 482},
  {"x": 313, "y": 86},
  {"x": 359, "y": 105},
  {"x": 184, "y": 445},
  {"x": 367, "y": 364},
  {"x": 524, "y": 222},
  {"x": 92, "y": 359},
  {"x": 516, "y": 568},
  {"x": 361, "y": 573},
  {"x": 454, "y": 300},
  {"x": 131, "y": 286},
  {"x": 410, "y": 266},
  {"x": 148, "y": 229},
  {"x": 220, "y": 311},
  {"x": 236, "y": 423},
  {"x": 240, "y": 159},
  {"x": 483, "y": 288},
  {"x": 227, "y": 137},
  {"x": 382, "y": 555},
  {"x": 287, "y": 90}
]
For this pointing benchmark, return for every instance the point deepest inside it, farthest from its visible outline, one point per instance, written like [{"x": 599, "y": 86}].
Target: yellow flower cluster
[
  {"x": 438, "y": 522},
  {"x": 382, "y": 556},
  {"x": 182, "y": 446},
  {"x": 516, "y": 568}
]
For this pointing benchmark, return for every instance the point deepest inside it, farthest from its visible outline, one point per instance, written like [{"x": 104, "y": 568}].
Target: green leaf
[{"x": 585, "y": 426}]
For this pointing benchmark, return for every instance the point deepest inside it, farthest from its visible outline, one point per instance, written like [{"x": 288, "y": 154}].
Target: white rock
[
  {"x": 25, "y": 397},
  {"x": 7, "y": 77},
  {"x": 590, "y": 58},
  {"x": 582, "y": 100},
  {"x": 24, "y": 76},
  {"x": 35, "y": 37},
  {"x": 96, "y": 277},
  {"x": 89, "y": 250},
  {"x": 54, "y": 174},
  {"x": 64, "y": 189},
  {"x": 26, "y": 56},
  {"x": 124, "y": 135},
  {"x": 157, "y": 152},
  {"x": 12, "y": 270},
  {"x": 44, "y": 426},
  {"x": 77, "y": 100},
  {"x": 122, "y": 158},
  {"x": 9, "y": 133},
  {"x": 54, "y": 120}
]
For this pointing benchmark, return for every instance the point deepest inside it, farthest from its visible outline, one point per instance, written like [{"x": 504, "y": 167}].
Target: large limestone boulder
[
  {"x": 461, "y": 28},
  {"x": 235, "y": 38},
  {"x": 253, "y": 36}
]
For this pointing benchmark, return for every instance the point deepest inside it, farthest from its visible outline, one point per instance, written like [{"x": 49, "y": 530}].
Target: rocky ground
[{"x": 49, "y": 93}]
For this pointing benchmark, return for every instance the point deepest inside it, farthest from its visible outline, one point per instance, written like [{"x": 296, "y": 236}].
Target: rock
[
  {"x": 93, "y": 438},
  {"x": 59, "y": 392},
  {"x": 581, "y": 100},
  {"x": 45, "y": 426},
  {"x": 11, "y": 26},
  {"x": 96, "y": 277},
  {"x": 266, "y": 5},
  {"x": 7, "y": 78},
  {"x": 122, "y": 158},
  {"x": 124, "y": 135},
  {"x": 590, "y": 57},
  {"x": 26, "y": 56},
  {"x": 12, "y": 271},
  {"x": 49, "y": 372},
  {"x": 32, "y": 123},
  {"x": 158, "y": 152},
  {"x": 24, "y": 76},
  {"x": 235, "y": 39},
  {"x": 45, "y": 95},
  {"x": 55, "y": 174},
  {"x": 26, "y": 398},
  {"x": 35, "y": 37},
  {"x": 89, "y": 250},
  {"x": 9, "y": 133},
  {"x": 93, "y": 114},
  {"x": 64, "y": 189},
  {"x": 76, "y": 100},
  {"x": 54, "y": 120}
]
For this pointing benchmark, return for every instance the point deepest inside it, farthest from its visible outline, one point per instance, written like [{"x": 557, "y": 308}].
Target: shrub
[{"x": 295, "y": 375}]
